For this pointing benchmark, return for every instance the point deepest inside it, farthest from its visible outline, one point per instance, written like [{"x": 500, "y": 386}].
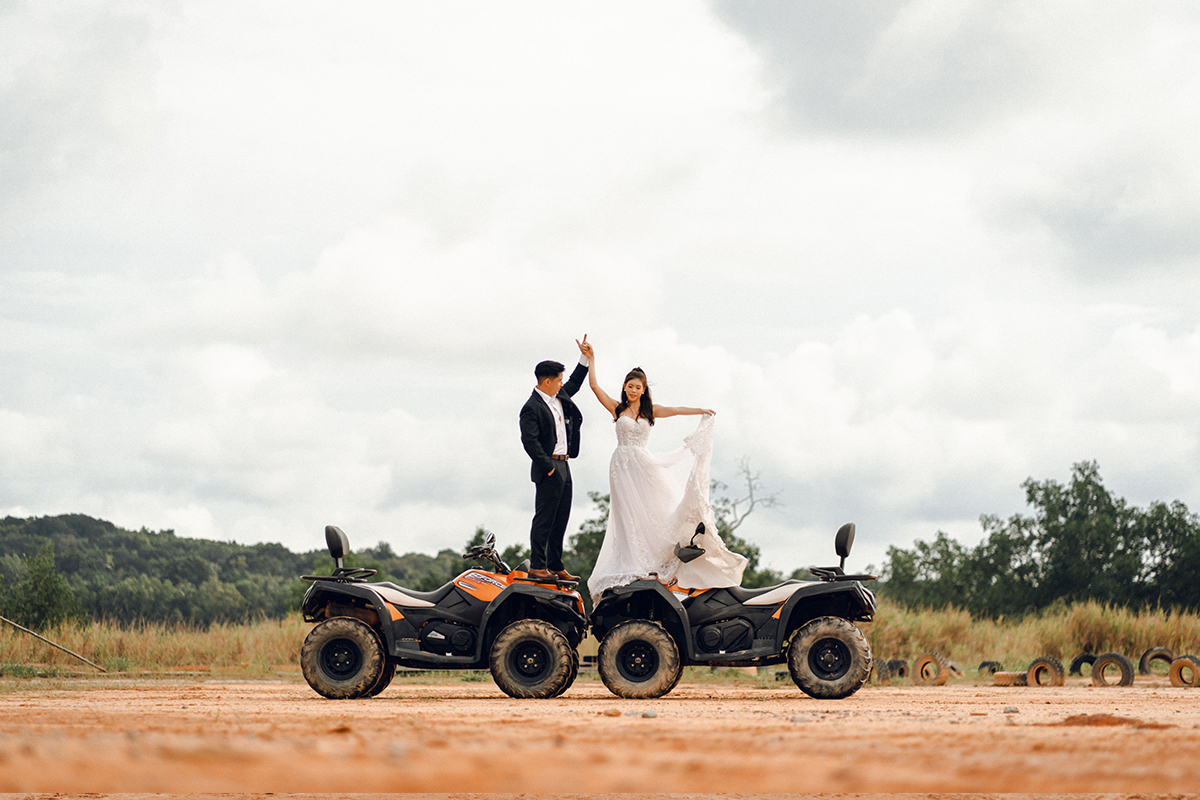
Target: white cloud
[{"x": 267, "y": 271}]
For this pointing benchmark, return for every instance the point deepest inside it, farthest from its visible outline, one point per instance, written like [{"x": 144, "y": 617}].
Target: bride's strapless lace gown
[{"x": 656, "y": 501}]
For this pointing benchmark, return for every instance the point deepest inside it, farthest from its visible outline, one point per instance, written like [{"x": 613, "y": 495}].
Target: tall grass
[
  {"x": 897, "y": 632},
  {"x": 1062, "y": 632},
  {"x": 253, "y": 647}
]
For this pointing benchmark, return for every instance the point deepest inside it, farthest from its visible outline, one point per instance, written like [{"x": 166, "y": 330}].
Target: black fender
[
  {"x": 559, "y": 609},
  {"x": 321, "y": 593},
  {"x": 648, "y": 592},
  {"x": 847, "y": 599}
]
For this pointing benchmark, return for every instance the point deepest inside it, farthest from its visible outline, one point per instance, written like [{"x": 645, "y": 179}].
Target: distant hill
[{"x": 127, "y": 576}]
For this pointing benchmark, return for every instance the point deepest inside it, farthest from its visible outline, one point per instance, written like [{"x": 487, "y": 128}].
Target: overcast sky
[{"x": 268, "y": 266}]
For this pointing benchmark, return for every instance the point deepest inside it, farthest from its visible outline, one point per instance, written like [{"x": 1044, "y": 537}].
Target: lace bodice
[{"x": 632, "y": 432}]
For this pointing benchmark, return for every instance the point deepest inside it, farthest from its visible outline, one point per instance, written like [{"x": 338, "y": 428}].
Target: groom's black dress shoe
[{"x": 543, "y": 576}]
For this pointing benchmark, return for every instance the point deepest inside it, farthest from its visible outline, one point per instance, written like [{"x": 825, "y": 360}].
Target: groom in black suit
[{"x": 550, "y": 423}]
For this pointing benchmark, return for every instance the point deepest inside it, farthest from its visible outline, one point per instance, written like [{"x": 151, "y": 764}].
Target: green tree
[
  {"x": 1080, "y": 543},
  {"x": 44, "y": 598}
]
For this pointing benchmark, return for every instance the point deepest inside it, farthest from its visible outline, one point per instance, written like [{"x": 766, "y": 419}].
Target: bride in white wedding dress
[{"x": 656, "y": 500}]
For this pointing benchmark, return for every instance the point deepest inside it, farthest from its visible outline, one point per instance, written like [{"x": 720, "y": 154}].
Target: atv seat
[
  {"x": 400, "y": 596},
  {"x": 767, "y": 596}
]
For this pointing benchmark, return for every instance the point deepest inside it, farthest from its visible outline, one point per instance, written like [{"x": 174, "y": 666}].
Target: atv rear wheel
[
  {"x": 342, "y": 658},
  {"x": 385, "y": 679},
  {"x": 829, "y": 658},
  {"x": 574, "y": 674},
  {"x": 531, "y": 659},
  {"x": 638, "y": 659}
]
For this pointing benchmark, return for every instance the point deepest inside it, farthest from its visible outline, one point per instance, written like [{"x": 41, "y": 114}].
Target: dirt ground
[{"x": 203, "y": 734}]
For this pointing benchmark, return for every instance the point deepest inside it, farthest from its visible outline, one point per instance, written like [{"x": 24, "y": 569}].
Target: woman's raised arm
[{"x": 680, "y": 411}]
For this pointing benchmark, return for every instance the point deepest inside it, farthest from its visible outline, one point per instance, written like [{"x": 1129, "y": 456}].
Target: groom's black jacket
[{"x": 537, "y": 425}]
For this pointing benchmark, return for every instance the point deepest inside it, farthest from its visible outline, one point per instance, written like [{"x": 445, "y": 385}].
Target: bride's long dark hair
[{"x": 646, "y": 406}]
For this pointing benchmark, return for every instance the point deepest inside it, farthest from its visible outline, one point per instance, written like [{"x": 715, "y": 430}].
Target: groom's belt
[{"x": 559, "y": 458}]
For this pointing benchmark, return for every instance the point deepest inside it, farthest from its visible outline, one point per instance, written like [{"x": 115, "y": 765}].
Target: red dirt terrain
[{"x": 206, "y": 735}]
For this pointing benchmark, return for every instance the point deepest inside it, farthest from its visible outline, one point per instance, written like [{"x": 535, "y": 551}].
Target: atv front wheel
[
  {"x": 829, "y": 658},
  {"x": 531, "y": 659},
  {"x": 342, "y": 658},
  {"x": 638, "y": 659}
]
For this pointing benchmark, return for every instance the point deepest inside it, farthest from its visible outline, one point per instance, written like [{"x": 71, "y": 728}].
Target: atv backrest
[
  {"x": 339, "y": 545},
  {"x": 844, "y": 539}
]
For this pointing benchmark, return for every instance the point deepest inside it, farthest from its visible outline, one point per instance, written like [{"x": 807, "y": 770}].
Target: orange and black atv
[
  {"x": 525, "y": 632},
  {"x": 649, "y": 631}
]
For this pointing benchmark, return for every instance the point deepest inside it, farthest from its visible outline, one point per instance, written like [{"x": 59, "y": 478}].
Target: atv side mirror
[
  {"x": 490, "y": 541},
  {"x": 699, "y": 530},
  {"x": 339, "y": 545},
  {"x": 843, "y": 541}
]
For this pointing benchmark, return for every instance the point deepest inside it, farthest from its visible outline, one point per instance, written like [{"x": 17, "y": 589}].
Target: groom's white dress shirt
[{"x": 560, "y": 422}]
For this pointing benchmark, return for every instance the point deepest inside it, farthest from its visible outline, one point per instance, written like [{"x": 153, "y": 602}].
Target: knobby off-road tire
[
  {"x": 1155, "y": 654},
  {"x": 931, "y": 669},
  {"x": 1010, "y": 678},
  {"x": 342, "y": 658},
  {"x": 639, "y": 659},
  {"x": 898, "y": 668},
  {"x": 1185, "y": 671},
  {"x": 574, "y": 674},
  {"x": 531, "y": 659},
  {"x": 385, "y": 679},
  {"x": 1045, "y": 671},
  {"x": 1108, "y": 660},
  {"x": 1079, "y": 661},
  {"x": 829, "y": 658},
  {"x": 987, "y": 668},
  {"x": 880, "y": 672}
]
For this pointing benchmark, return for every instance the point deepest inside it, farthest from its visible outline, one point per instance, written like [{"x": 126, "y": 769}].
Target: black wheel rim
[
  {"x": 829, "y": 659},
  {"x": 341, "y": 659},
  {"x": 637, "y": 661},
  {"x": 530, "y": 661}
]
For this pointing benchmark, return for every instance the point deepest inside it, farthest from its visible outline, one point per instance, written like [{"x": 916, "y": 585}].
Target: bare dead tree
[{"x": 740, "y": 508}]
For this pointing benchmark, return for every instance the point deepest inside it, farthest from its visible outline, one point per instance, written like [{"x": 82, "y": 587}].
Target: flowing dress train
[{"x": 656, "y": 501}]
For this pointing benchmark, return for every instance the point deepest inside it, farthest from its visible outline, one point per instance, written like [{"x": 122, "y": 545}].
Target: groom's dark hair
[{"x": 548, "y": 369}]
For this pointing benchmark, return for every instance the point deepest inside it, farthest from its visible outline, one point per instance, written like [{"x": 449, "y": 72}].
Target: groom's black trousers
[{"x": 551, "y": 511}]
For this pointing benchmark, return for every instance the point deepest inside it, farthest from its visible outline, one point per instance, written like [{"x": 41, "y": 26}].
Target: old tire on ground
[
  {"x": 1108, "y": 661},
  {"x": 574, "y": 674},
  {"x": 342, "y": 658},
  {"x": 1079, "y": 661},
  {"x": 1045, "y": 671},
  {"x": 639, "y": 659},
  {"x": 880, "y": 672},
  {"x": 898, "y": 668},
  {"x": 1155, "y": 654},
  {"x": 531, "y": 659},
  {"x": 829, "y": 658},
  {"x": 385, "y": 679},
  {"x": 1185, "y": 671},
  {"x": 930, "y": 669},
  {"x": 1001, "y": 678},
  {"x": 989, "y": 667}
]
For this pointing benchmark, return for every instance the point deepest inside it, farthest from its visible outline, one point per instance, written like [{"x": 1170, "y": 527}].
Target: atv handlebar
[{"x": 488, "y": 552}]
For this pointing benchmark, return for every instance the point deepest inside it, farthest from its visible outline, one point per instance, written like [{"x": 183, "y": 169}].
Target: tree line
[{"x": 1079, "y": 543}]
